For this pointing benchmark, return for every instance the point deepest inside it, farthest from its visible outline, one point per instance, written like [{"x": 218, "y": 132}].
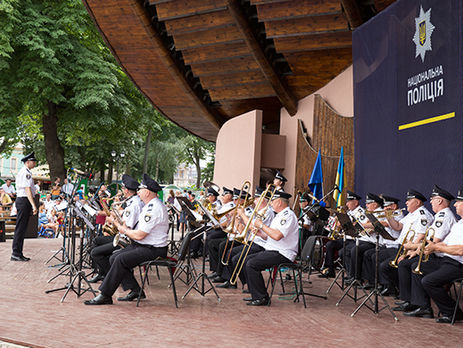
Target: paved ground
[{"x": 32, "y": 318}]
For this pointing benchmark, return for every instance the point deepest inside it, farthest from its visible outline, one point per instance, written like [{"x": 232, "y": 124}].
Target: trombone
[
  {"x": 402, "y": 251},
  {"x": 430, "y": 233},
  {"x": 385, "y": 213},
  {"x": 256, "y": 214},
  {"x": 231, "y": 227}
]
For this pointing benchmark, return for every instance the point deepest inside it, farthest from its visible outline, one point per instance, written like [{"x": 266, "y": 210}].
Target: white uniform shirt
[
  {"x": 395, "y": 234},
  {"x": 23, "y": 180},
  {"x": 418, "y": 221},
  {"x": 154, "y": 220},
  {"x": 455, "y": 237},
  {"x": 285, "y": 222},
  {"x": 131, "y": 213},
  {"x": 269, "y": 216},
  {"x": 442, "y": 224},
  {"x": 8, "y": 189}
]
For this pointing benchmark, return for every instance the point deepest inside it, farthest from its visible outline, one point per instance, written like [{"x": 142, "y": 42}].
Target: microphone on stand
[{"x": 81, "y": 173}]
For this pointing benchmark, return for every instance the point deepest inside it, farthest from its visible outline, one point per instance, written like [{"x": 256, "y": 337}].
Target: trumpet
[
  {"x": 259, "y": 214},
  {"x": 120, "y": 239},
  {"x": 231, "y": 227},
  {"x": 385, "y": 213},
  {"x": 402, "y": 251},
  {"x": 430, "y": 233}
]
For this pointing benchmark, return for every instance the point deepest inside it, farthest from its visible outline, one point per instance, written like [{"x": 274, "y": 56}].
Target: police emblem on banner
[{"x": 423, "y": 32}]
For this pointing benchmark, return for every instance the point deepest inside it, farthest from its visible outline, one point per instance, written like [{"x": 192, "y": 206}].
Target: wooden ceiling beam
[
  {"x": 232, "y": 79},
  {"x": 207, "y": 37},
  {"x": 295, "y": 9},
  {"x": 200, "y": 22},
  {"x": 174, "y": 70},
  {"x": 215, "y": 52},
  {"x": 228, "y": 65},
  {"x": 306, "y": 25},
  {"x": 353, "y": 15},
  {"x": 314, "y": 42},
  {"x": 186, "y": 8},
  {"x": 281, "y": 90},
  {"x": 258, "y": 90}
]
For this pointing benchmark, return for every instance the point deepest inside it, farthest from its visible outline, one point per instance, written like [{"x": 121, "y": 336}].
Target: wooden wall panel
[{"x": 331, "y": 131}]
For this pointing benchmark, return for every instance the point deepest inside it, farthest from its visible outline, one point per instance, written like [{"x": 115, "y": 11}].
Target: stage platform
[{"x": 32, "y": 318}]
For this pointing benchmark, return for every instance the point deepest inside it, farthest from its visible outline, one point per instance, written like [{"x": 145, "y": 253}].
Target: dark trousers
[
  {"x": 369, "y": 264},
  {"x": 387, "y": 274},
  {"x": 355, "y": 258},
  {"x": 330, "y": 250},
  {"x": 122, "y": 264},
  {"x": 215, "y": 256},
  {"x": 255, "y": 264},
  {"x": 101, "y": 251},
  {"x": 405, "y": 278},
  {"x": 24, "y": 209},
  {"x": 236, "y": 253},
  {"x": 437, "y": 273},
  {"x": 197, "y": 243}
]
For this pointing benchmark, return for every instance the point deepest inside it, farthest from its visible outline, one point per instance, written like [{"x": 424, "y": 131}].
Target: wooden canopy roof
[{"x": 202, "y": 62}]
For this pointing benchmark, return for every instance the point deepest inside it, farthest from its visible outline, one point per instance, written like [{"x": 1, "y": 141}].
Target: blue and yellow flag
[
  {"x": 337, "y": 194},
  {"x": 316, "y": 179}
]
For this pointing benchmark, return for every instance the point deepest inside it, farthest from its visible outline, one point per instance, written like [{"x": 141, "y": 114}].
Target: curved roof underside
[{"x": 202, "y": 62}]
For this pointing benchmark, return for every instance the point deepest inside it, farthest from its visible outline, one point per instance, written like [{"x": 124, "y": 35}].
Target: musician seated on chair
[
  {"x": 281, "y": 247},
  {"x": 437, "y": 231},
  {"x": 445, "y": 267},
  {"x": 103, "y": 245},
  {"x": 149, "y": 241}
]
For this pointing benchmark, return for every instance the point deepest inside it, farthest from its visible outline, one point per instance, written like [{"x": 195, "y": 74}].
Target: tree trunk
[
  {"x": 147, "y": 148},
  {"x": 102, "y": 174},
  {"x": 157, "y": 171},
  {"x": 198, "y": 171},
  {"x": 54, "y": 152},
  {"x": 110, "y": 173}
]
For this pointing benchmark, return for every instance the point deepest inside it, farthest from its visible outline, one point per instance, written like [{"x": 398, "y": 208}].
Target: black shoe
[
  {"x": 327, "y": 273},
  {"x": 99, "y": 300},
  {"x": 405, "y": 307},
  {"x": 96, "y": 278},
  {"x": 400, "y": 302},
  {"x": 218, "y": 279},
  {"x": 19, "y": 258},
  {"x": 261, "y": 302},
  {"x": 248, "y": 299},
  {"x": 212, "y": 276},
  {"x": 132, "y": 295},
  {"x": 389, "y": 292},
  {"x": 226, "y": 285},
  {"x": 447, "y": 319},
  {"x": 421, "y": 312},
  {"x": 349, "y": 281},
  {"x": 368, "y": 286}
]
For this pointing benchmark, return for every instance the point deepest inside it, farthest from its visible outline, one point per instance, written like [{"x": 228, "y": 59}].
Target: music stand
[
  {"x": 380, "y": 231},
  {"x": 348, "y": 230},
  {"x": 203, "y": 276},
  {"x": 353, "y": 231}
]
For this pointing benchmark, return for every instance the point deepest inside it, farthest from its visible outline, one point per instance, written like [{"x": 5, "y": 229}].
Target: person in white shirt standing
[
  {"x": 24, "y": 205},
  {"x": 281, "y": 247}
]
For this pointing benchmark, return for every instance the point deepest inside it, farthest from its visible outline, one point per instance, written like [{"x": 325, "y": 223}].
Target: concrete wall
[
  {"x": 238, "y": 151},
  {"x": 338, "y": 93}
]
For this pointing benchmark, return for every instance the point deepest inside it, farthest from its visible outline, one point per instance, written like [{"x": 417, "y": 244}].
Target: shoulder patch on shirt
[
  {"x": 362, "y": 217},
  {"x": 147, "y": 218},
  {"x": 286, "y": 212},
  {"x": 442, "y": 214},
  {"x": 127, "y": 213},
  {"x": 28, "y": 176},
  {"x": 422, "y": 212},
  {"x": 424, "y": 222},
  {"x": 438, "y": 223},
  {"x": 282, "y": 221}
]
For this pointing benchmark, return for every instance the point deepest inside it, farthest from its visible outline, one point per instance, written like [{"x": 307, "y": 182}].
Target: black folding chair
[
  {"x": 171, "y": 265},
  {"x": 305, "y": 264}
]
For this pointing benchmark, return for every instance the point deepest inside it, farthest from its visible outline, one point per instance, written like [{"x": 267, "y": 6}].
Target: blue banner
[{"x": 407, "y": 99}]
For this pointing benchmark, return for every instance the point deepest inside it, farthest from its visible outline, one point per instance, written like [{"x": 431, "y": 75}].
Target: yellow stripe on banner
[{"x": 426, "y": 121}]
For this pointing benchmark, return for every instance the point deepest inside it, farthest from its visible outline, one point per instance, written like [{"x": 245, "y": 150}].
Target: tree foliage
[{"x": 63, "y": 95}]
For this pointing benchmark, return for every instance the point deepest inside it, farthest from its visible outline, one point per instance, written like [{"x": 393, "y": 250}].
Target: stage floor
[{"x": 32, "y": 318}]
